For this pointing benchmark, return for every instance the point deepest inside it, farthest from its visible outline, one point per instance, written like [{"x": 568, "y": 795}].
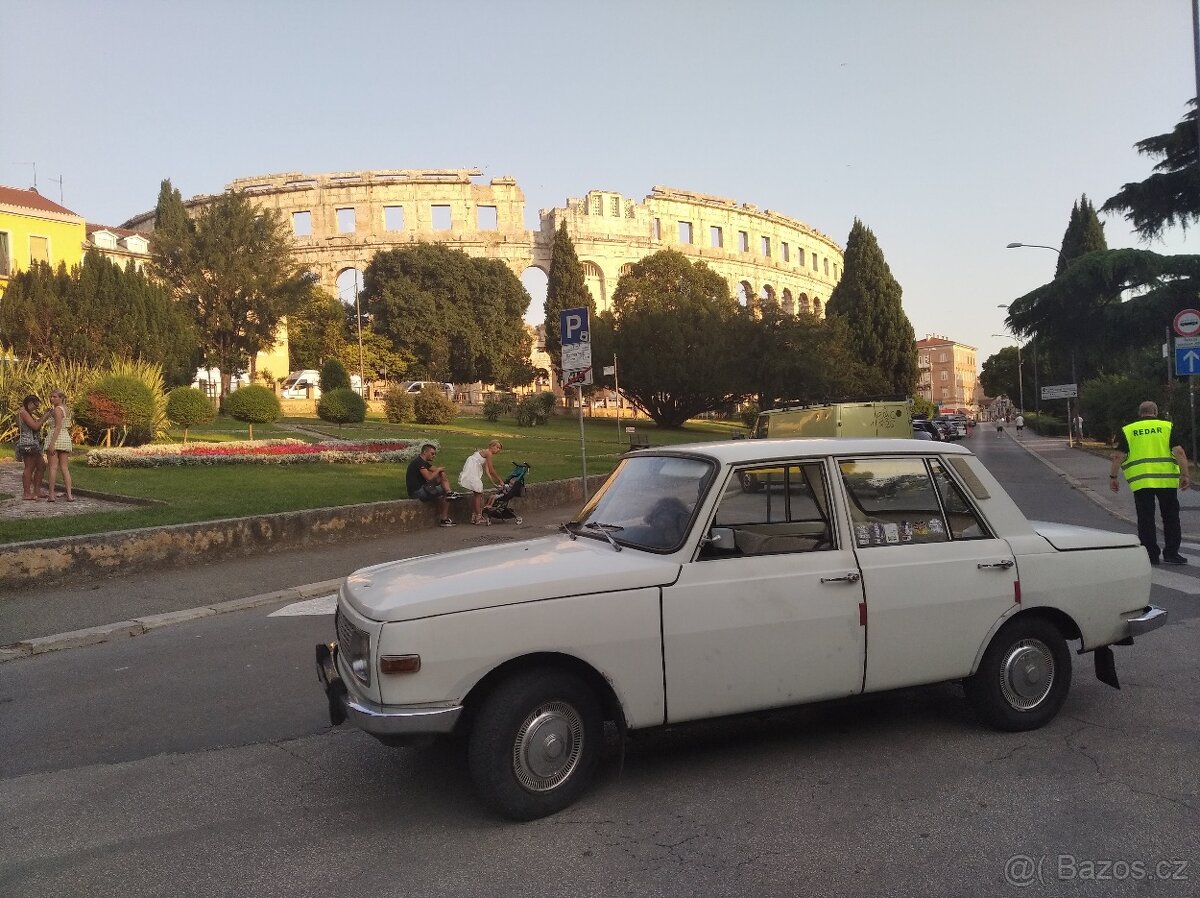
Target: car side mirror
[{"x": 720, "y": 539}]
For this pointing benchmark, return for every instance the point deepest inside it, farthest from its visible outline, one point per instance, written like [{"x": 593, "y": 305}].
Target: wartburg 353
[{"x": 717, "y": 579}]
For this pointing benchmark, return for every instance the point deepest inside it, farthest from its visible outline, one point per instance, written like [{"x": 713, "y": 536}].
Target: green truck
[{"x": 839, "y": 419}]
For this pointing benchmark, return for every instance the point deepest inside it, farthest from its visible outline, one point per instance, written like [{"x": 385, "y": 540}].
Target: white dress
[{"x": 471, "y": 477}]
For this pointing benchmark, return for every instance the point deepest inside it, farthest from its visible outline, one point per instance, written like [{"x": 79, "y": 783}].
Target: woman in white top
[
  {"x": 477, "y": 466},
  {"x": 58, "y": 443}
]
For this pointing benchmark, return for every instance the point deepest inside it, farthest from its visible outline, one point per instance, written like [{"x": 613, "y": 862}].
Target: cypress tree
[
  {"x": 867, "y": 299},
  {"x": 565, "y": 289},
  {"x": 1084, "y": 234}
]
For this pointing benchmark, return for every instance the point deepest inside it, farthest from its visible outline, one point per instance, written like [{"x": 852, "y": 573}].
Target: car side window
[
  {"x": 893, "y": 502},
  {"x": 963, "y": 521},
  {"x": 776, "y": 509}
]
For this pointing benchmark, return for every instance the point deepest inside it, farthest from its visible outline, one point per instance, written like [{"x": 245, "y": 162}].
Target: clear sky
[{"x": 950, "y": 127}]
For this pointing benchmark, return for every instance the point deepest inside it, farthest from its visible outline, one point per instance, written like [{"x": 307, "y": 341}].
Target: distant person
[
  {"x": 58, "y": 443},
  {"x": 429, "y": 483},
  {"x": 29, "y": 447},
  {"x": 479, "y": 465},
  {"x": 1020, "y": 422},
  {"x": 1078, "y": 425},
  {"x": 1155, "y": 467}
]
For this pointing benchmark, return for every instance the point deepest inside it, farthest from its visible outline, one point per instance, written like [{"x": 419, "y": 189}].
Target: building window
[
  {"x": 827, "y": 266},
  {"x": 5, "y": 255},
  {"x": 814, "y": 257},
  {"x": 685, "y": 232},
  {"x": 441, "y": 217},
  {"x": 393, "y": 218},
  {"x": 345, "y": 221},
  {"x": 942, "y": 357},
  {"x": 597, "y": 205},
  {"x": 39, "y": 250},
  {"x": 800, "y": 256},
  {"x": 615, "y": 204},
  {"x": 743, "y": 242},
  {"x": 658, "y": 229},
  {"x": 945, "y": 375},
  {"x": 783, "y": 251},
  {"x": 766, "y": 247},
  {"x": 302, "y": 224},
  {"x": 716, "y": 237},
  {"x": 488, "y": 218}
]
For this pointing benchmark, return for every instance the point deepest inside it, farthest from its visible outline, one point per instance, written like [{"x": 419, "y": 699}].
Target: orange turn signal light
[{"x": 398, "y": 664}]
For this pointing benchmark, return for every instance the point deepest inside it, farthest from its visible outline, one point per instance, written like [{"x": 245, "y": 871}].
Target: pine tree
[
  {"x": 565, "y": 289},
  {"x": 867, "y": 299},
  {"x": 1084, "y": 234}
]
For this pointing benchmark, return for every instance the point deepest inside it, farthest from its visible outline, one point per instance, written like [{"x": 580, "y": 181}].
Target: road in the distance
[{"x": 197, "y": 760}]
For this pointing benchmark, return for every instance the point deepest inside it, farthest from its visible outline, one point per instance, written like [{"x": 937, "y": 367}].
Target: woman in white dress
[{"x": 477, "y": 466}]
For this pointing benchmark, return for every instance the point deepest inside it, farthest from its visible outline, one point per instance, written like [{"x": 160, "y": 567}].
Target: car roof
[{"x": 741, "y": 451}]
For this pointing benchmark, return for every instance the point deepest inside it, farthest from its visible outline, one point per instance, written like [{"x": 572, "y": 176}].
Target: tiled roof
[
  {"x": 30, "y": 199},
  {"x": 120, "y": 232}
]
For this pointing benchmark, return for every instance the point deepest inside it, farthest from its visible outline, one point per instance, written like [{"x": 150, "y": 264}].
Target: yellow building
[{"x": 34, "y": 229}]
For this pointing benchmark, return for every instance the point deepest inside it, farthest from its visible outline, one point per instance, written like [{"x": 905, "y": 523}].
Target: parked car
[
  {"x": 676, "y": 595},
  {"x": 416, "y": 386},
  {"x": 931, "y": 430},
  {"x": 955, "y": 429}
]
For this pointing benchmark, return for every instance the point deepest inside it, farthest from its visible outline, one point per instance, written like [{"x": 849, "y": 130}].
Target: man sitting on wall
[{"x": 428, "y": 483}]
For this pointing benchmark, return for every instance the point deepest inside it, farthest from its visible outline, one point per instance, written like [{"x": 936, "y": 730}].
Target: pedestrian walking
[
  {"x": 1020, "y": 422},
  {"x": 1078, "y": 424},
  {"x": 1155, "y": 467}
]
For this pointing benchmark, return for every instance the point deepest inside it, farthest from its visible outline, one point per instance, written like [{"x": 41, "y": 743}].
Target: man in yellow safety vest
[{"x": 1155, "y": 466}]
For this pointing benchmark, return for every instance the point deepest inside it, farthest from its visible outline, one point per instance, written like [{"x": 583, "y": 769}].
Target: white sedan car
[{"x": 722, "y": 578}]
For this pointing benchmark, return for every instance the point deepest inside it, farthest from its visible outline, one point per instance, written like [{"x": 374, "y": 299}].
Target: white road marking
[
  {"x": 323, "y": 605},
  {"x": 1161, "y": 576}
]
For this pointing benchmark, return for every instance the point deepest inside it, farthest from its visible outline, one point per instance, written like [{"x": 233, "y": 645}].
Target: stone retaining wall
[{"x": 76, "y": 558}]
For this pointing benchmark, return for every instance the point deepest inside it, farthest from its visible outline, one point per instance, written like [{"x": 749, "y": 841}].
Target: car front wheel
[
  {"x": 1024, "y": 676},
  {"x": 535, "y": 744}
]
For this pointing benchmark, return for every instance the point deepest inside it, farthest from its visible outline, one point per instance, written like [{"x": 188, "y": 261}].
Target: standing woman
[
  {"x": 29, "y": 447},
  {"x": 58, "y": 443},
  {"x": 478, "y": 465}
]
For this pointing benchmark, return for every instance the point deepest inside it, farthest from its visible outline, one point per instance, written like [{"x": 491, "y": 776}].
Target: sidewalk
[{"x": 1087, "y": 469}]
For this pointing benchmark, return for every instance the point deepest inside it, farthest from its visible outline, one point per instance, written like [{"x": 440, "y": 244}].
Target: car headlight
[{"x": 355, "y": 646}]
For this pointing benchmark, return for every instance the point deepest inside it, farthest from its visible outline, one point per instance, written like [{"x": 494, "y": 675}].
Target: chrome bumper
[
  {"x": 378, "y": 720},
  {"x": 1149, "y": 618}
]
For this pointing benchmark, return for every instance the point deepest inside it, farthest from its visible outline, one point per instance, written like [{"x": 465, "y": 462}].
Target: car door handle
[
  {"x": 852, "y": 577},
  {"x": 1002, "y": 565}
]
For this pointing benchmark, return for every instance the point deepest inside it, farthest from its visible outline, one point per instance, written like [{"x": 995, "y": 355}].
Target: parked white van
[{"x": 297, "y": 384}]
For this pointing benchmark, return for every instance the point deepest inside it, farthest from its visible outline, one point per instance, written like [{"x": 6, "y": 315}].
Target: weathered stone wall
[{"x": 779, "y": 258}]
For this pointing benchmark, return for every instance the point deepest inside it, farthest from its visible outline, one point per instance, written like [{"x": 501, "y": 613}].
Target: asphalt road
[{"x": 197, "y": 760}]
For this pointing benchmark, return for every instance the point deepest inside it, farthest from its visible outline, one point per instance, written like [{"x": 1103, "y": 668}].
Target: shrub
[
  {"x": 341, "y": 406},
  {"x": 534, "y": 409},
  {"x": 498, "y": 404},
  {"x": 120, "y": 407},
  {"x": 187, "y": 406},
  {"x": 333, "y": 377},
  {"x": 431, "y": 406},
  {"x": 398, "y": 406},
  {"x": 253, "y": 404}
]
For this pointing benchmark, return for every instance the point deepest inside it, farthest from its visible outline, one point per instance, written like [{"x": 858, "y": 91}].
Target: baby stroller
[{"x": 514, "y": 485}]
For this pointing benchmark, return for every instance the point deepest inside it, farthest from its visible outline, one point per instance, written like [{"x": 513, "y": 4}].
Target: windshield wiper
[
  {"x": 569, "y": 529},
  {"x": 606, "y": 530}
]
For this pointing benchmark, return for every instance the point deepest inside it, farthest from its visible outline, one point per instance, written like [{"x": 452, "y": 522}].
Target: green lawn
[{"x": 209, "y": 493}]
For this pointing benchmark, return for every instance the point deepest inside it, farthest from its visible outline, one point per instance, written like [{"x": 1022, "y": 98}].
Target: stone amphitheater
[{"x": 340, "y": 220}]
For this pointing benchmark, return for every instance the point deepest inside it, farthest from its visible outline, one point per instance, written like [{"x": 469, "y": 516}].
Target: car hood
[
  {"x": 1066, "y": 537},
  {"x": 469, "y": 579}
]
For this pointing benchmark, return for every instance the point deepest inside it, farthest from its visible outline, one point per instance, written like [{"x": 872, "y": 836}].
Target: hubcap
[
  {"x": 548, "y": 746},
  {"x": 1027, "y": 674}
]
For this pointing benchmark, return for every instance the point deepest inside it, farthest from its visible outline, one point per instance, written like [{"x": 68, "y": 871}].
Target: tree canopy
[
  {"x": 459, "y": 318},
  {"x": 1171, "y": 196},
  {"x": 94, "y": 312},
  {"x": 673, "y": 328},
  {"x": 867, "y": 299},
  {"x": 232, "y": 265}
]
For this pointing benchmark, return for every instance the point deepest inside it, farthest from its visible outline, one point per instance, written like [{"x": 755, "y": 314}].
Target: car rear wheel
[
  {"x": 535, "y": 744},
  {"x": 1024, "y": 676}
]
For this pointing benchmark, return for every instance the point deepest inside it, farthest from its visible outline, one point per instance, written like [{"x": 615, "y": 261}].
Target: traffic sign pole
[{"x": 575, "y": 339}]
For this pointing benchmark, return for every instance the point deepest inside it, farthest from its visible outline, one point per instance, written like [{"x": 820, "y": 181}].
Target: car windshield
[{"x": 648, "y": 503}]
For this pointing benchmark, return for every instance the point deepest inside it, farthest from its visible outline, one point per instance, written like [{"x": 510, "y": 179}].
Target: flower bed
[{"x": 256, "y": 452}]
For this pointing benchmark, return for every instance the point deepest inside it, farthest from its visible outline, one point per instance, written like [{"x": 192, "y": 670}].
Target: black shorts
[{"x": 429, "y": 492}]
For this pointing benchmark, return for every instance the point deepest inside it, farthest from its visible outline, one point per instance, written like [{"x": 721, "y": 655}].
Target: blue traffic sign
[
  {"x": 573, "y": 326},
  {"x": 1187, "y": 360}
]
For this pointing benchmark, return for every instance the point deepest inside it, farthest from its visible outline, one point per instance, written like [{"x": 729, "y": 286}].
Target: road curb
[
  {"x": 128, "y": 629},
  {"x": 1078, "y": 485}
]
